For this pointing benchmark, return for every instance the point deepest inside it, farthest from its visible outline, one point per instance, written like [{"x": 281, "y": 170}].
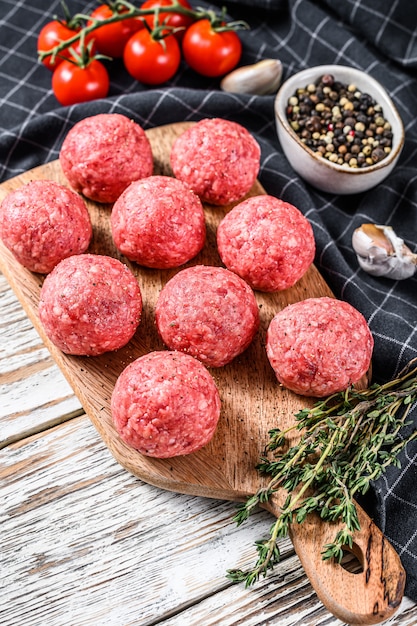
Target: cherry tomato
[
  {"x": 151, "y": 61},
  {"x": 176, "y": 20},
  {"x": 111, "y": 38},
  {"x": 209, "y": 52},
  {"x": 72, "y": 84},
  {"x": 50, "y": 36}
]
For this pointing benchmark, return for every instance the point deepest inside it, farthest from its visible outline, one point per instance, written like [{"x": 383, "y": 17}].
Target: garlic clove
[
  {"x": 380, "y": 252},
  {"x": 262, "y": 78}
]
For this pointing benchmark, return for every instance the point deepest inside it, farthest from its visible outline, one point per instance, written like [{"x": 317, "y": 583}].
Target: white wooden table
[{"x": 83, "y": 542}]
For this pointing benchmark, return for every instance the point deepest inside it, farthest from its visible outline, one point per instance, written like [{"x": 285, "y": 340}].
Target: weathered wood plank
[
  {"x": 34, "y": 393},
  {"x": 277, "y": 602},
  {"x": 85, "y": 542}
]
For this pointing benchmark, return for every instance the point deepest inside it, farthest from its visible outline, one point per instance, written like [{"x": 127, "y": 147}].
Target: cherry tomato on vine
[
  {"x": 209, "y": 51},
  {"x": 150, "y": 60},
  {"x": 72, "y": 84},
  {"x": 176, "y": 20},
  {"x": 111, "y": 39},
  {"x": 50, "y": 36}
]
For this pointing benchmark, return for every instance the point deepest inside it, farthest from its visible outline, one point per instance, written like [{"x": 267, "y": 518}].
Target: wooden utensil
[{"x": 252, "y": 404}]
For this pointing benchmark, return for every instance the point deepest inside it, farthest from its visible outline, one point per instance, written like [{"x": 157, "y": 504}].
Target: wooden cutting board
[{"x": 252, "y": 403}]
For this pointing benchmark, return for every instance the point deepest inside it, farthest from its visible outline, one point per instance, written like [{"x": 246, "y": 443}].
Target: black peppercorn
[{"x": 377, "y": 154}]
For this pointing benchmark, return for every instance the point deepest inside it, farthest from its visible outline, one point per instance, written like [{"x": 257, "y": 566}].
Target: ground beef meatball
[
  {"x": 44, "y": 222},
  {"x": 268, "y": 242},
  {"x": 218, "y": 159},
  {"x": 102, "y": 154},
  {"x": 319, "y": 346},
  {"x": 208, "y": 312},
  {"x": 90, "y": 304},
  {"x": 165, "y": 404},
  {"x": 158, "y": 222}
]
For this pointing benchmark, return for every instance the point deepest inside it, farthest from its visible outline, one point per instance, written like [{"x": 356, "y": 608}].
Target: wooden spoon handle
[{"x": 367, "y": 597}]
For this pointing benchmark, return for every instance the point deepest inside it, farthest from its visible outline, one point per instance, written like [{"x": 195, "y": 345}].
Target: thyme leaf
[{"x": 348, "y": 441}]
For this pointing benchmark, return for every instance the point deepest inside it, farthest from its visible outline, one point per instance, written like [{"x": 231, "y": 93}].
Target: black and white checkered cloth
[{"x": 377, "y": 36}]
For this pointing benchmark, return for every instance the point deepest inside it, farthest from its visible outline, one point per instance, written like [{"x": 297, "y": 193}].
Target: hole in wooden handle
[{"x": 352, "y": 560}]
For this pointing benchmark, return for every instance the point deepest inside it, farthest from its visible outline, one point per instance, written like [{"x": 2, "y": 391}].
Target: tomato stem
[
  {"x": 71, "y": 22},
  {"x": 85, "y": 56},
  {"x": 219, "y": 25},
  {"x": 160, "y": 31}
]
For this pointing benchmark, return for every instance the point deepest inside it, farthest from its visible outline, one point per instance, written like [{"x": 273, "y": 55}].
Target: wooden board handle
[{"x": 367, "y": 597}]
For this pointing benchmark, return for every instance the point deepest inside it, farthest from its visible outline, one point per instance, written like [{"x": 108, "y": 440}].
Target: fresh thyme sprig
[{"x": 348, "y": 440}]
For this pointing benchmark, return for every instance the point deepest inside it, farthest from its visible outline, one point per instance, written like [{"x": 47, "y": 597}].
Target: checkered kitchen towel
[{"x": 377, "y": 36}]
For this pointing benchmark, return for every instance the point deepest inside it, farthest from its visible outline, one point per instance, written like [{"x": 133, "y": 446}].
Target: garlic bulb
[
  {"x": 381, "y": 252},
  {"x": 260, "y": 79}
]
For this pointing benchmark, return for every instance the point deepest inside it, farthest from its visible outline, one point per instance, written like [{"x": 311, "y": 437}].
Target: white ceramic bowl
[{"x": 318, "y": 171}]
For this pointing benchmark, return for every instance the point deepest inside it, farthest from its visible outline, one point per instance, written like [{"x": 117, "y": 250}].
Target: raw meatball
[
  {"x": 165, "y": 404},
  {"x": 207, "y": 312},
  {"x": 44, "y": 222},
  {"x": 218, "y": 159},
  {"x": 101, "y": 155},
  {"x": 268, "y": 242},
  {"x": 319, "y": 346},
  {"x": 90, "y": 304},
  {"x": 158, "y": 222}
]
